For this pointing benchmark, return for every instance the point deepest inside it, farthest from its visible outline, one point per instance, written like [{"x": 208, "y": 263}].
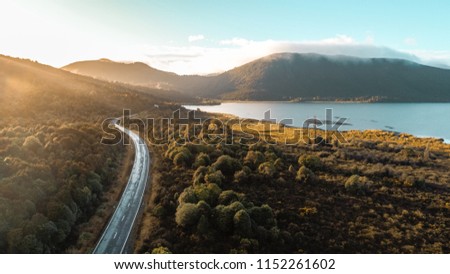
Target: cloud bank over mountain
[{"x": 224, "y": 55}]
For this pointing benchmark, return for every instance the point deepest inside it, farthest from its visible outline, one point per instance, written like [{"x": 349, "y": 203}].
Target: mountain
[
  {"x": 286, "y": 76},
  {"x": 31, "y": 89},
  {"x": 138, "y": 74},
  {"x": 133, "y": 73}
]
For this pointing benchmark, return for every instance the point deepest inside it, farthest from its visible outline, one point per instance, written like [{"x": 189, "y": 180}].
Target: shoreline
[
  {"x": 444, "y": 141},
  {"x": 218, "y": 102}
]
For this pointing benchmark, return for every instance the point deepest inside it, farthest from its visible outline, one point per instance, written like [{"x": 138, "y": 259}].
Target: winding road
[{"x": 115, "y": 237}]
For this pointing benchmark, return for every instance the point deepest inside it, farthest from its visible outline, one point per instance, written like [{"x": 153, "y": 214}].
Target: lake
[{"x": 419, "y": 119}]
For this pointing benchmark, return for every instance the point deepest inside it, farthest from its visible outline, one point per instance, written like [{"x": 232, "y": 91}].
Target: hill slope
[
  {"x": 287, "y": 76},
  {"x": 282, "y": 76},
  {"x": 133, "y": 73},
  {"x": 54, "y": 172},
  {"x": 30, "y": 89},
  {"x": 138, "y": 74}
]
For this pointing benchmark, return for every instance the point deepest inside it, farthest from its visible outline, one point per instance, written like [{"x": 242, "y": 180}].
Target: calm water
[{"x": 420, "y": 119}]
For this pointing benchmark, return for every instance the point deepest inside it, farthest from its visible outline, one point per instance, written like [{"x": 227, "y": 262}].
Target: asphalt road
[{"x": 116, "y": 235}]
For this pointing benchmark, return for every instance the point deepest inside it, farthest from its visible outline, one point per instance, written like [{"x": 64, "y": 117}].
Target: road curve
[{"x": 115, "y": 237}]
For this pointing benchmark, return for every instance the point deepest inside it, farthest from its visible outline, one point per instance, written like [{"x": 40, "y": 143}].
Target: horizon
[
  {"x": 259, "y": 58},
  {"x": 172, "y": 36}
]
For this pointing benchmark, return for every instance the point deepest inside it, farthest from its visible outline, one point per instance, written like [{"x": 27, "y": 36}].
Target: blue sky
[{"x": 199, "y": 36}]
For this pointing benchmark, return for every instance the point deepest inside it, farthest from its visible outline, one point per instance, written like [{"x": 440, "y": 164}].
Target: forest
[
  {"x": 54, "y": 172},
  {"x": 53, "y": 177}
]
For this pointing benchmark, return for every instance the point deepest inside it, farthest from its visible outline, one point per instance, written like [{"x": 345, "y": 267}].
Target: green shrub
[
  {"x": 223, "y": 217},
  {"x": 182, "y": 159},
  {"x": 263, "y": 215},
  {"x": 202, "y": 159},
  {"x": 173, "y": 151},
  {"x": 199, "y": 175},
  {"x": 207, "y": 192},
  {"x": 203, "y": 226},
  {"x": 278, "y": 164},
  {"x": 187, "y": 196},
  {"x": 159, "y": 211},
  {"x": 242, "y": 223},
  {"x": 292, "y": 169},
  {"x": 215, "y": 177},
  {"x": 236, "y": 206},
  {"x": 254, "y": 158},
  {"x": 187, "y": 215},
  {"x": 266, "y": 168},
  {"x": 305, "y": 175},
  {"x": 33, "y": 144},
  {"x": 248, "y": 246},
  {"x": 308, "y": 211},
  {"x": 270, "y": 156},
  {"x": 161, "y": 250},
  {"x": 204, "y": 208},
  {"x": 274, "y": 234},
  {"x": 197, "y": 148},
  {"x": 411, "y": 181},
  {"x": 242, "y": 175},
  {"x": 409, "y": 152},
  {"x": 227, "y": 197},
  {"x": 227, "y": 165},
  {"x": 352, "y": 182},
  {"x": 357, "y": 184},
  {"x": 310, "y": 161},
  {"x": 95, "y": 183}
]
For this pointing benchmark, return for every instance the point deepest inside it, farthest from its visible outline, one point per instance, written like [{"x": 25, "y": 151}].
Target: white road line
[{"x": 136, "y": 184}]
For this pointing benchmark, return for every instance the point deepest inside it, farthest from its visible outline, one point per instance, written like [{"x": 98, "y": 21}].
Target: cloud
[
  {"x": 199, "y": 60},
  {"x": 236, "y": 42},
  {"x": 438, "y": 58},
  {"x": 340, "y": 39},
  {"x": 369, "y": 39},
  {"x": 410, "y": 41},
  {"x": 230, "y": 53},
  {"x": 195, "y": 38}
]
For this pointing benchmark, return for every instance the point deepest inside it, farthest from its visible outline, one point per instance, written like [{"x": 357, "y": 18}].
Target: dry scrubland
[{"x": 380, "y": 192}]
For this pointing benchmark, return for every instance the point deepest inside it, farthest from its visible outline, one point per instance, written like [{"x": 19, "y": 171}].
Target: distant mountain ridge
[
  {"x": 293, "y": 76},
  {"x": 133, "y": 73},
  {"x": 31, "y": 89}
]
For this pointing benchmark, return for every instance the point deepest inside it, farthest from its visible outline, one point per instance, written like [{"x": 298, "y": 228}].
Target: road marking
[{"x": 136, "y": 183}]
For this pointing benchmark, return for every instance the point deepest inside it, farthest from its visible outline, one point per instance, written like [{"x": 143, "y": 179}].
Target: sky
[{"x": 210, "y": 36}]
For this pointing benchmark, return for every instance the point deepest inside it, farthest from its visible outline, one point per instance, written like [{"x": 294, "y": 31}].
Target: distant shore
[
  {"x": 233, "y": 116},
  {"x": 216, "y": 102}
]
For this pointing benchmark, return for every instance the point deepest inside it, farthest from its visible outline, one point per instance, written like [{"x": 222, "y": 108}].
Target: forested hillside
[
  {"x": 293, "y": 76},
  {"x": 53, "y": 169}
]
